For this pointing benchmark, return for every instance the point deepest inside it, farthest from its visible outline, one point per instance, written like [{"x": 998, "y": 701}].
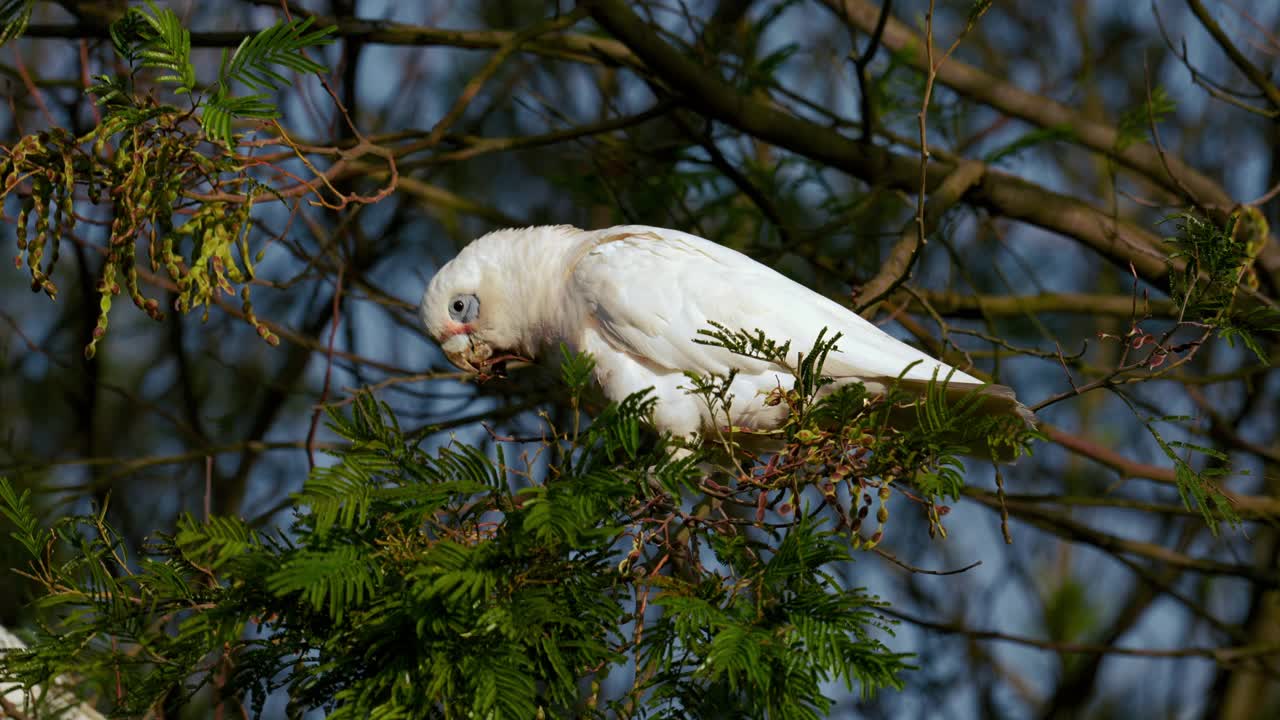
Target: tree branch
[
  {"x": 1225, "y": 655},
  {"x": 1031, "y": 107},
  {"x": 1253, "y": 73},
  {"x": 1120, "y": 242}
]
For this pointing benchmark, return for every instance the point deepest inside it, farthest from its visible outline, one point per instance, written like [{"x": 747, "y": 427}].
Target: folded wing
[{"x": 651, "y": 290}]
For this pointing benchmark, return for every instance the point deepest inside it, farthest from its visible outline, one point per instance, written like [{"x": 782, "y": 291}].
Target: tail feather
[{"x": 992, "y": 401}]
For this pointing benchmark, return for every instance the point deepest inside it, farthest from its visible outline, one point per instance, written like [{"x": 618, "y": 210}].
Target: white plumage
[{"x": 635, "y": 297}]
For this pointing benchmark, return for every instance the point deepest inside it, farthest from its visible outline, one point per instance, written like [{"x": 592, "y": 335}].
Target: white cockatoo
[{"x": 635, "y": 297}]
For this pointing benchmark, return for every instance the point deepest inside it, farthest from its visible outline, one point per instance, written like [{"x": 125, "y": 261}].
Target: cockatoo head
[
  {"x": 485, "y": 305},
  {"x": 464, "y": 309}
]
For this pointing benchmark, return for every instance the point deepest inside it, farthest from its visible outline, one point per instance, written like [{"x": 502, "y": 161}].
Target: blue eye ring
[{"x": 464, "y": 308}]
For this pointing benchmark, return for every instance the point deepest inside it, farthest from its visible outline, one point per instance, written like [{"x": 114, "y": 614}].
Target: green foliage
[
  {"x": 762, "y": 72},
  {"x": 1032, "y": 138},
  {"x": 155, "y": 38},
  {"x": 747, "y": 344},
  {"x": 254, "y": 64},
  {"x": 841, "y": 434},
  {"x": 576, "y": 370},
  {"x": 144, "y": 160},
  {"x": 17, "y": 507},
  {"x": 334, "y": 579},
  {"x": 1213, "y": 286},
  {"x": 14, "y": 16},
  {"x": 978, "y": 8},
  {"x": 1199, "y": 489},
  {"x": 283, "y": 44},
  {"x": 221, "y": 539},
  {"x": 897, "y": 91},
  {"x": 720, "y": 652},
  {"x": 1217, "y": 262},
  {"x": 1136, "y": 122},
  {"x": 451, "y": 584},
  {"x": 1070, "y": 611}
]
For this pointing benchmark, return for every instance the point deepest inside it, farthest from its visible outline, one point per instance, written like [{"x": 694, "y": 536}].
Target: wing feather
[{"x": 652, "y": 289}]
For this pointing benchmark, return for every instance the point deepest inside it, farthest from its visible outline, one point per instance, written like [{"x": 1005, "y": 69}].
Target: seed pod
[
  {"x": 263, "y": 331},
  {"x": 69, "y": 188},
  {"x": 35, "y": 256},
  {"x": 100, "y": 331},
  {"x": 23, "y": 212}
]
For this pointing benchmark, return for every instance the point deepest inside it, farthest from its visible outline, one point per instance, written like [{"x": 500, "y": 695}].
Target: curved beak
[{"x": 465, "y": 353}]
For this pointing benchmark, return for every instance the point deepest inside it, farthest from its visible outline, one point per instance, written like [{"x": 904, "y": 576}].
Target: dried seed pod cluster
[{"x": 147, "y": 166}]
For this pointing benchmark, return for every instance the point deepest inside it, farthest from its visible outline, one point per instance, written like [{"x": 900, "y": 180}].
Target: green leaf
[
  {"x": 576, "y": 370},
  {"x": 741, "y": 342},
  {"x": 17, "y": 507},
  {"x": 1054, "y": 133},
  {"x": 1137, "y": 122},
  {"x": 255, "y": 59},
  {"x": 163, "y": 43},
  {"x": 1197, "y": 488},
  {"x": 335, "y": 579},
  {"x": 14, "y": 16},
  {"x": 221, "y": 538},
  {"x": 222, "y": 109}
]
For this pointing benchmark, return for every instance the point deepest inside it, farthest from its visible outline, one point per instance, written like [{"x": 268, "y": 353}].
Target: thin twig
[
  {"x": 912, "y": 568},
  {"x": 328, "y": 368},
  {"x": 860, "y": 64},
  {"x": 1223, "y": 655}
]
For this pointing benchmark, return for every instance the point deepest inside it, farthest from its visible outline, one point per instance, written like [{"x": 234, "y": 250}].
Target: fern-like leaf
[
  {"x": 165, "y": 44},
  {"x": 224, "y": 538},
  {"x": 336, "y": 579},
  {"x": 17, "y": 507},
  {"x": 254, "y": 61},
  {"x": 14, "y": 16},
  {"x": 222, "y": 109}
]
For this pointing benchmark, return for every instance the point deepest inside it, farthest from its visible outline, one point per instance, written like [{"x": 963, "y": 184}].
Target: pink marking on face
[{"x": 455, "y": 328}]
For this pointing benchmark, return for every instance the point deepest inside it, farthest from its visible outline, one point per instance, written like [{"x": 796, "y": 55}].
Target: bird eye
[{"x": 464, "y": 308}]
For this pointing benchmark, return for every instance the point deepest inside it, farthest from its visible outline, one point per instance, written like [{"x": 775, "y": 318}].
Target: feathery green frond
[
  {"x": 255, "y": 60},
  {"x": 14, "y": 16},
  {"x": 162, "y": 42},
  {"x": 17, "y": 507},
  {"x": 416, "y": 583}
]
